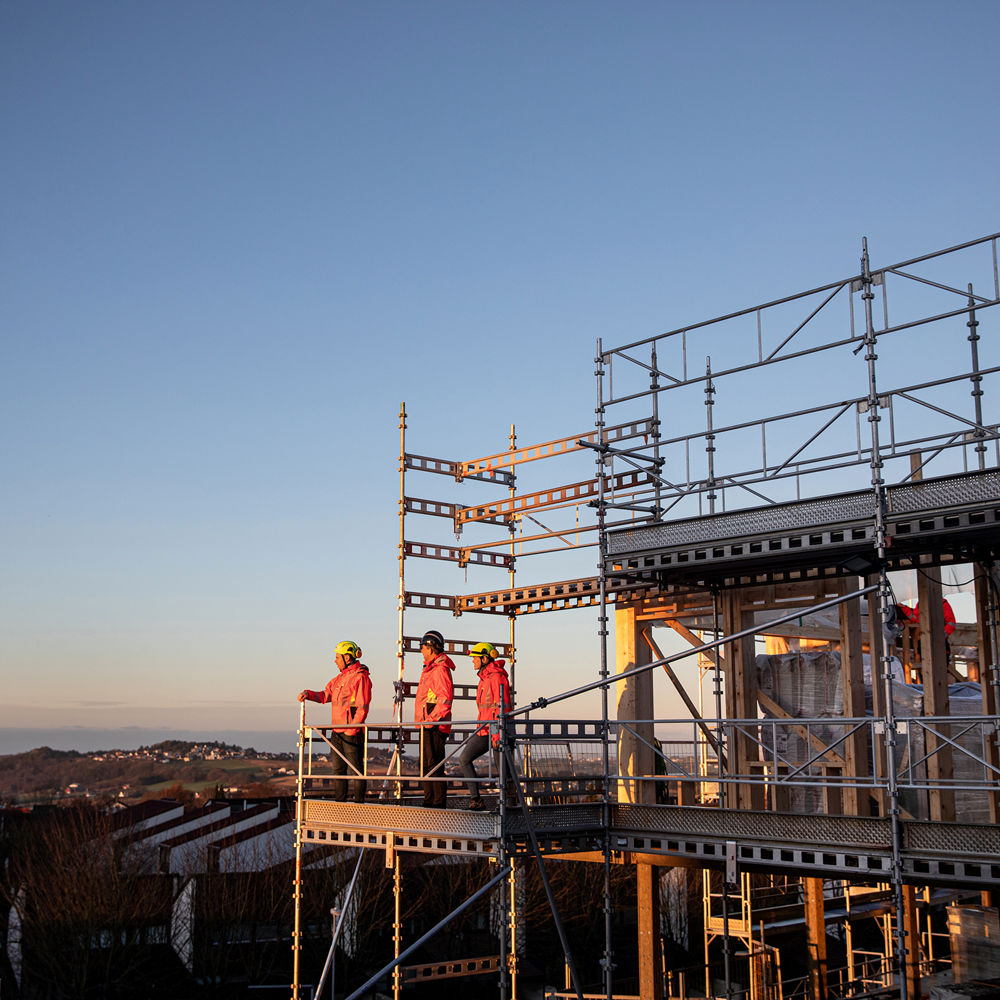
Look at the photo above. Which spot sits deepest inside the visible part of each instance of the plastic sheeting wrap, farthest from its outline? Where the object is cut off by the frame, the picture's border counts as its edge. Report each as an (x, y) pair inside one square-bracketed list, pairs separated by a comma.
[(807, 685), (975, 942), (972, 806), (964, 699), (907, 703)]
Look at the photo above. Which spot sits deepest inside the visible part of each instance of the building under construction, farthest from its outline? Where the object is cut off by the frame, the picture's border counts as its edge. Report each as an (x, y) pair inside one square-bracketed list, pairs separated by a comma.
[(768, 715)]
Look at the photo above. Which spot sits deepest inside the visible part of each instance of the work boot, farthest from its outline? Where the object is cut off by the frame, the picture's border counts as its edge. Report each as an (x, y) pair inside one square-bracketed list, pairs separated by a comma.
[(476, 804)]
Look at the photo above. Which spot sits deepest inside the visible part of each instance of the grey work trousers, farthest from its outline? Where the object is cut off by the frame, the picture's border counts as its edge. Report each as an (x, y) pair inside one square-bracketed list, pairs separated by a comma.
[(473, 749)]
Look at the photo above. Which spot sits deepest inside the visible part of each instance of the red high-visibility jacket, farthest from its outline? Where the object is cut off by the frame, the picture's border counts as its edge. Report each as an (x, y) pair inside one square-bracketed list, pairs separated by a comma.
[(492, 695), (349, 695), (435, 692), (913, 614)]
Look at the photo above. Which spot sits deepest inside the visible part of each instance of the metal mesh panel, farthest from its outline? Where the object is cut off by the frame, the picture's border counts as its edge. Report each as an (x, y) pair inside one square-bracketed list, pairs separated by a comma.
[(564, 760), (557, 819), (981, 487), (755, 826), (400, 819), (909, 498), (947, 838), (738, 524)]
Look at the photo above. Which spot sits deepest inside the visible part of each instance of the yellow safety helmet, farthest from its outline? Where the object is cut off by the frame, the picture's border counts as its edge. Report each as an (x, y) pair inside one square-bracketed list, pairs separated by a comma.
[(484, 649), (348, 648)]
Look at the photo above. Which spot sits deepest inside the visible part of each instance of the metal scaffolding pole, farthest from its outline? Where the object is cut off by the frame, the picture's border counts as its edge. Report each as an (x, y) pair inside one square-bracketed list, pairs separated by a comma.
[(397, 703), (512, 618), (884, 595), (297, 885), (393, 966), (607, 961), (536, 850), (977, 381)]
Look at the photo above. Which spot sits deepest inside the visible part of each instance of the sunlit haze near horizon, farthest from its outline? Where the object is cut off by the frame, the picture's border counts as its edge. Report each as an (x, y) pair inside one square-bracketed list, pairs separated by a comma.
[(234, 237)]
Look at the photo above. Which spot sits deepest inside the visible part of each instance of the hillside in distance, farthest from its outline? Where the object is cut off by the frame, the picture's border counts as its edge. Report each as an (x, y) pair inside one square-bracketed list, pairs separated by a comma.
[(47, 775)]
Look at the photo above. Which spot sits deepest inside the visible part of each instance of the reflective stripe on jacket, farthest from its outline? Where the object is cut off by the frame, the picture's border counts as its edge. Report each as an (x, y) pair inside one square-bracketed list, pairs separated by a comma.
[(435, 692), (492, 695)]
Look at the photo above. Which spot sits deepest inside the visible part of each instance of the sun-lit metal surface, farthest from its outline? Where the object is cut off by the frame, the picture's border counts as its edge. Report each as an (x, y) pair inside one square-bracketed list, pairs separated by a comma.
[(413, 974), (444, 467), (454, 647), (817, 845), (433, 602), (490, 465), (498, 510), (449, 553), (582, 593), (403, 828)]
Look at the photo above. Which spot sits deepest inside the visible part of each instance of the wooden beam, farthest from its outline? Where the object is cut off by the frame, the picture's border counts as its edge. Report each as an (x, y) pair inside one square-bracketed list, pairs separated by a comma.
[(648, 913), (934, 673), (856, 801), (634, 702), (815, 938), (770, 705), (691, 707)]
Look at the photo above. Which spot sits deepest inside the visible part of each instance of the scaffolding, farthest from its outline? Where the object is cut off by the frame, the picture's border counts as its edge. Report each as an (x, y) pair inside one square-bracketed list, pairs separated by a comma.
[(756, 514)]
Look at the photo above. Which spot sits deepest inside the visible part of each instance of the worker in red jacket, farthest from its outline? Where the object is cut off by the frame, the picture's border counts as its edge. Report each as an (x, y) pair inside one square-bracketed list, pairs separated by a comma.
[(349, 695), (492, 700), (433, 715)]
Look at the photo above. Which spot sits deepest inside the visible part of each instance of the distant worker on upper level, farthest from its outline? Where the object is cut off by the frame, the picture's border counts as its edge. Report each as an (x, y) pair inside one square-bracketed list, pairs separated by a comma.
[(492, 700), (433, 714), (349, 695)]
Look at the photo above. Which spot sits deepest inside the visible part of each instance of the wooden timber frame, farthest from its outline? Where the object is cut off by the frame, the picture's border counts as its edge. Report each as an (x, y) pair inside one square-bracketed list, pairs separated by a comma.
[(680, 549)]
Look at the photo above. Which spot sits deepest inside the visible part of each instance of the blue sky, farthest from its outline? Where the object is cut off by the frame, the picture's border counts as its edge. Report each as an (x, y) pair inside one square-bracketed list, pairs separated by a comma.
[(234, 236)]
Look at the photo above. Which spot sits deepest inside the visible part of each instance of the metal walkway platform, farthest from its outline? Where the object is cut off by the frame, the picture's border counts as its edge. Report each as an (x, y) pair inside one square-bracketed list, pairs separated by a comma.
[(950, 517), (856, 848)]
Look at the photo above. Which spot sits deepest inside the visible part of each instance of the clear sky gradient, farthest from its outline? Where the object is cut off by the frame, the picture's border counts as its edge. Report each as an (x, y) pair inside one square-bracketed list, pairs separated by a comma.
[(234, 236)]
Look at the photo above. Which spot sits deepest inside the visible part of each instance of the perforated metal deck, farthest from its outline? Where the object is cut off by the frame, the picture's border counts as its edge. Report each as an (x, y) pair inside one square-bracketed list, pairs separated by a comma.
[(404, 828), (847, 847), (936, 515)]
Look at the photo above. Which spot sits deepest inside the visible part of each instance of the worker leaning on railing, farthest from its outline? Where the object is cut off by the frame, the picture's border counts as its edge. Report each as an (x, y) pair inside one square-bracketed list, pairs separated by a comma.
[(433, 714), (349, 695), (492, 700)]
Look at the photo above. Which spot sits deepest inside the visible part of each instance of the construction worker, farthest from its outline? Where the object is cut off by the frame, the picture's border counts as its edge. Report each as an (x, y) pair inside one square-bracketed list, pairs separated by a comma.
[(492, 700), (349, 695), (433, 714)]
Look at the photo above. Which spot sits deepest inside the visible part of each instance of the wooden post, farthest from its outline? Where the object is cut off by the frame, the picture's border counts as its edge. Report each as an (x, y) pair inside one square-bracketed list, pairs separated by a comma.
[(876, 642), (912, 941), (934, 670), (635, 701), (857, 801), (985, 600), (635, 759), (815, 938), (741, 702), (648, 904)]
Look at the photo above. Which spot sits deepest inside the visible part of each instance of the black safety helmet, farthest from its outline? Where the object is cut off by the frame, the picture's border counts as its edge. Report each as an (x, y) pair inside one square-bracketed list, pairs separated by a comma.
[(434, 639)]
